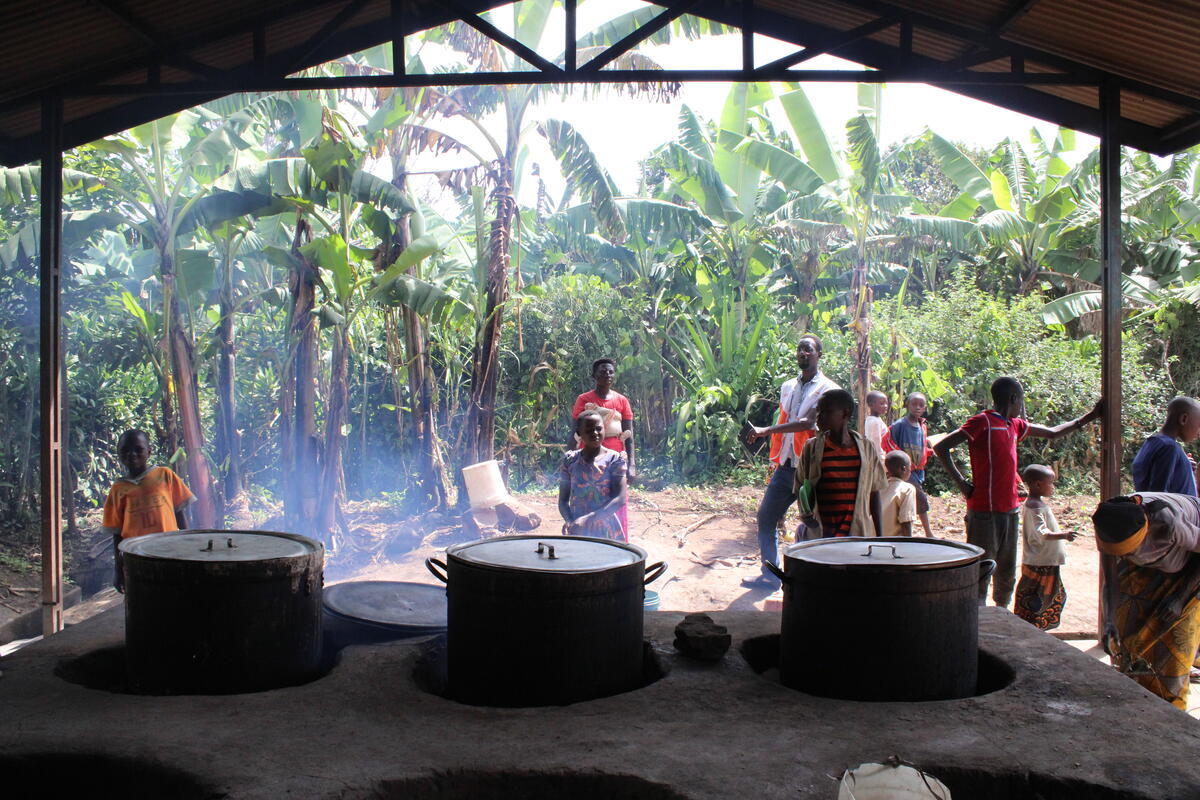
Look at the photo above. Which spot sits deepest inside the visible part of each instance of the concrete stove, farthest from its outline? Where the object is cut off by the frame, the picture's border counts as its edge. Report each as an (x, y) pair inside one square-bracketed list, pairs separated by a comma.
[(1065, 726)]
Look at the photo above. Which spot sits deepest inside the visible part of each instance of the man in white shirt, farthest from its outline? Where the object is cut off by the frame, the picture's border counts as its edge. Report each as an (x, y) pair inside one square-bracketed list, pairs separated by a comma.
[(797, 419)]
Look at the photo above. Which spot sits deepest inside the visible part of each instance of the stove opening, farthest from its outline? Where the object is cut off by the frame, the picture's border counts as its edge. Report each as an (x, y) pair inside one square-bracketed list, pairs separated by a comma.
[(762, 654), (472, 785)]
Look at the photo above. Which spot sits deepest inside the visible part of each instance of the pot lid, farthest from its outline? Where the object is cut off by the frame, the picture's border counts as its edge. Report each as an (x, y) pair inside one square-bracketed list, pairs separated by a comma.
[(393, 604), (549, 553), (887, 552), (220, 546)]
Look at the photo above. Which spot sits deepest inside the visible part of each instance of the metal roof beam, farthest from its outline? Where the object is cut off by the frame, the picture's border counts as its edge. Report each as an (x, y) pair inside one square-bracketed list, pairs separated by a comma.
[(318, 39), (1014, 14), (1017, 98), (673, 12), (164, 49), (920, 74), (981, 38), (500, 37), (832, 43)]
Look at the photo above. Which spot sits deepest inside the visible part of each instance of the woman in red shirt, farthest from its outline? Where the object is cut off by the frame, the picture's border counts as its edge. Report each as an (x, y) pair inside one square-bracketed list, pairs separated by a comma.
[(617, 414)]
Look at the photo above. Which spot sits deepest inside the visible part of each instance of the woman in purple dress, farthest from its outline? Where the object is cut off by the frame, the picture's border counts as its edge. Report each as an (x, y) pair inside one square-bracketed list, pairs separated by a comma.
[(591, 484)]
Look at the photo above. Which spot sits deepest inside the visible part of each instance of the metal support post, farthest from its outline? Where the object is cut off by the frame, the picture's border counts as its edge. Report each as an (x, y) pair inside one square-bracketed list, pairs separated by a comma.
[(1110, 309), (50, 422), (1110, 286)]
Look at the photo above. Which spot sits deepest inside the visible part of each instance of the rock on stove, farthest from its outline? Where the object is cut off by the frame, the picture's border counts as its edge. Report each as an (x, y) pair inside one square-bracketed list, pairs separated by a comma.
[(700, 638)]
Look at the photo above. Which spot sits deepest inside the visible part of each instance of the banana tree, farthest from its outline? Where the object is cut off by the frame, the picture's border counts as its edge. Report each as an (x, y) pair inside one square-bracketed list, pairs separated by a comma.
[(343, 242), (839, 202), (479, 106), (1160, 254), (1025, 207)]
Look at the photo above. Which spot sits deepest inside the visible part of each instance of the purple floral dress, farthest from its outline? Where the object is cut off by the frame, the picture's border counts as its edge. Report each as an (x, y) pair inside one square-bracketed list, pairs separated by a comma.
[(591, 489)]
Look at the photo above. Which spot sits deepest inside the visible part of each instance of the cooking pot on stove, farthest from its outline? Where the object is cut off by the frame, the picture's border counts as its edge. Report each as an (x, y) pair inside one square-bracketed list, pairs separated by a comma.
[(213, 612), (889, 618), (543, 620)]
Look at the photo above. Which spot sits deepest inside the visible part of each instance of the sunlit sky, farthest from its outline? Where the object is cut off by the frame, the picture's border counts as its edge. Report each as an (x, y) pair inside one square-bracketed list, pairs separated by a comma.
[(622, 131)]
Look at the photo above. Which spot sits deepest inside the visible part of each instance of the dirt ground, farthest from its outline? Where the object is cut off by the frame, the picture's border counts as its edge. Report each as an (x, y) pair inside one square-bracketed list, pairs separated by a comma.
[(706, 536)]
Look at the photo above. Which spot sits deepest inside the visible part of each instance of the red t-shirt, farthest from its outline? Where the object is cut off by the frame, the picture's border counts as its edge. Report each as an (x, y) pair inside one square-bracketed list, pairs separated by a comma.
[(617, 402), (992, 442)]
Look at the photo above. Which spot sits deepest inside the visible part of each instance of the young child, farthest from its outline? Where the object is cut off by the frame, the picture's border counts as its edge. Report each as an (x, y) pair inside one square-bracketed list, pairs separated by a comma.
[(1040, 592), (899, 498), (1162, 465), (910, 435), (874, 427), (992, 503), (845, 471), (592, 484), (146, 500)]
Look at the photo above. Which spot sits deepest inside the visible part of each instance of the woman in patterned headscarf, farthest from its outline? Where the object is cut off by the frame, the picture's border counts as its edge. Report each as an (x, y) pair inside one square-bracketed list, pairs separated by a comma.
[(1150, 554)]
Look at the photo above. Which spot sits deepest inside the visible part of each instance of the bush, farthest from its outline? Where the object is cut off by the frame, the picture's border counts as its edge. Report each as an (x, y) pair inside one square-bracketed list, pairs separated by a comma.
[(970, 338)]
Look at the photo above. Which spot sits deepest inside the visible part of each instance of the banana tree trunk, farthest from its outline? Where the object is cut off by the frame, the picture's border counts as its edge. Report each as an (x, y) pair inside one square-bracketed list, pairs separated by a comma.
[(860, 291), (228, 440), (68, 477), (481, 416), (183, 372), (330, 499), (301, 468)]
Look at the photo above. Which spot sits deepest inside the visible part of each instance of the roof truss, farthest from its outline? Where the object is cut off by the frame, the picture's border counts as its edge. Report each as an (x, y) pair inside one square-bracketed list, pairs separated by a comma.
[(270, 63)]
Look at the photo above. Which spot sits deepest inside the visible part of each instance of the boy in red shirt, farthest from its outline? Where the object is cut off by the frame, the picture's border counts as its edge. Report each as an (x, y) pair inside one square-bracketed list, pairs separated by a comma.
[(146, 500), (993, 508)]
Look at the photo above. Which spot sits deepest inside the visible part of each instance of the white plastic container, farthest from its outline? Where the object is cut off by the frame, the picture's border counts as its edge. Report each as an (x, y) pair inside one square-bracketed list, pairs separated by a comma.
[(890, 782), (485, 487)]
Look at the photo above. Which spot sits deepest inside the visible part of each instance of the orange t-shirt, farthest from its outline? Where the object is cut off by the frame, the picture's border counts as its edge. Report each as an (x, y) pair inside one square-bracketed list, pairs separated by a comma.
[(146, 504)]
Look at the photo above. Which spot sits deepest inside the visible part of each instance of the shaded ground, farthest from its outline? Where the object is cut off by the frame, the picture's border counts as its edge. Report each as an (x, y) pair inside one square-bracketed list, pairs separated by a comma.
[(706, 536)]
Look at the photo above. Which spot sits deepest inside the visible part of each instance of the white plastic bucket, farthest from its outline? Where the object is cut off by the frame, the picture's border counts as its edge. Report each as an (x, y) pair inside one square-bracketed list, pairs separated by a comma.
[(485, 487), (890, 782)]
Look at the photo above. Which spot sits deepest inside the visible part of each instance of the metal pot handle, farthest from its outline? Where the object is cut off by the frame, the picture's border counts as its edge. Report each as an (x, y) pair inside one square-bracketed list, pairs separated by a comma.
[(776, 570), (986, 567), (654, 572), (430, 565)]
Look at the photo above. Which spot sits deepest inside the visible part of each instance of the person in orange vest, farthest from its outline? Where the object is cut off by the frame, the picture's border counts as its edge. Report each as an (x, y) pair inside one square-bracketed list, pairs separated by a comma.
[(797, 418)]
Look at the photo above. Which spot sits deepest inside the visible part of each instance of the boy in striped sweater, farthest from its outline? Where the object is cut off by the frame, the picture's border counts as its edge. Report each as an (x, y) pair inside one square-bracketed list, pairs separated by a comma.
[(845, 472)]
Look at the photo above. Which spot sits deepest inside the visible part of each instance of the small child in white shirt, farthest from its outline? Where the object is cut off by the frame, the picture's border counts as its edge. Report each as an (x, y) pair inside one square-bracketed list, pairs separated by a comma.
[(899, 498), (873, 426), (1040, 591)]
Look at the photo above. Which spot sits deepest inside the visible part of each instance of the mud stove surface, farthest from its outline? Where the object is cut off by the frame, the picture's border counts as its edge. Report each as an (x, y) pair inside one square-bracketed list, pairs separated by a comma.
[(1064, 726)]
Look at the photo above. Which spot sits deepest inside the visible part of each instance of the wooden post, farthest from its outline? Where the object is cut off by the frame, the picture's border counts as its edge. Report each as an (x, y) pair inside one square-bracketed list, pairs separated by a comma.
[(50, 197), (1110, 291), (1110, 306)]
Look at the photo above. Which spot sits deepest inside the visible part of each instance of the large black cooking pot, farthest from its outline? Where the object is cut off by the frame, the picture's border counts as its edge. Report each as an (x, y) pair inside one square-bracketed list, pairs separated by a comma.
[(891, 618), (543, 620), (213, 612)]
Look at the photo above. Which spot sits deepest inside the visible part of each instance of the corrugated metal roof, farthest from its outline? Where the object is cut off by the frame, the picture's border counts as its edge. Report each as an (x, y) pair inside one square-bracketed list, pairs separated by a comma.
[(70, 47)]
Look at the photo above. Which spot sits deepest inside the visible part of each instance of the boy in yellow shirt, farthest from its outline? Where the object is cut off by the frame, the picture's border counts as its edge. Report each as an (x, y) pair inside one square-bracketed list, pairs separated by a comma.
[(146, 500)]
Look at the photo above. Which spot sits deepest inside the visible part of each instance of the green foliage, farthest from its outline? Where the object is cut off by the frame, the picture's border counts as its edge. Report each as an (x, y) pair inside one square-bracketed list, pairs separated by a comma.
[(970, 338)]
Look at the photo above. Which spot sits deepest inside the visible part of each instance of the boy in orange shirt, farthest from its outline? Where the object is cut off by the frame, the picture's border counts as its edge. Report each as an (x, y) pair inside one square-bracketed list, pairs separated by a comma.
[(146, 500)]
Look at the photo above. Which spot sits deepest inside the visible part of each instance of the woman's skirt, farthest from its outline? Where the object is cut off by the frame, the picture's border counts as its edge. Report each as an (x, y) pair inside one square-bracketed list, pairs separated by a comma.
[(1040, 596)]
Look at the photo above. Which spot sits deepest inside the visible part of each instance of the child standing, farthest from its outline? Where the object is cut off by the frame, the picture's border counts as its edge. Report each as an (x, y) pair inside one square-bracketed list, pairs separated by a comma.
[(899, 499), (1162, 465), (146, 500), (592, 484), (1040, 592), (845, 471), (910, 435), (874, 427), (992, 503)]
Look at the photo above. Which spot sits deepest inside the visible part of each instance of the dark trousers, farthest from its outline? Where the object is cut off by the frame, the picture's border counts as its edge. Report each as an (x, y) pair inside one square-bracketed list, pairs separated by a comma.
[(996, 532), (778, 498)]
